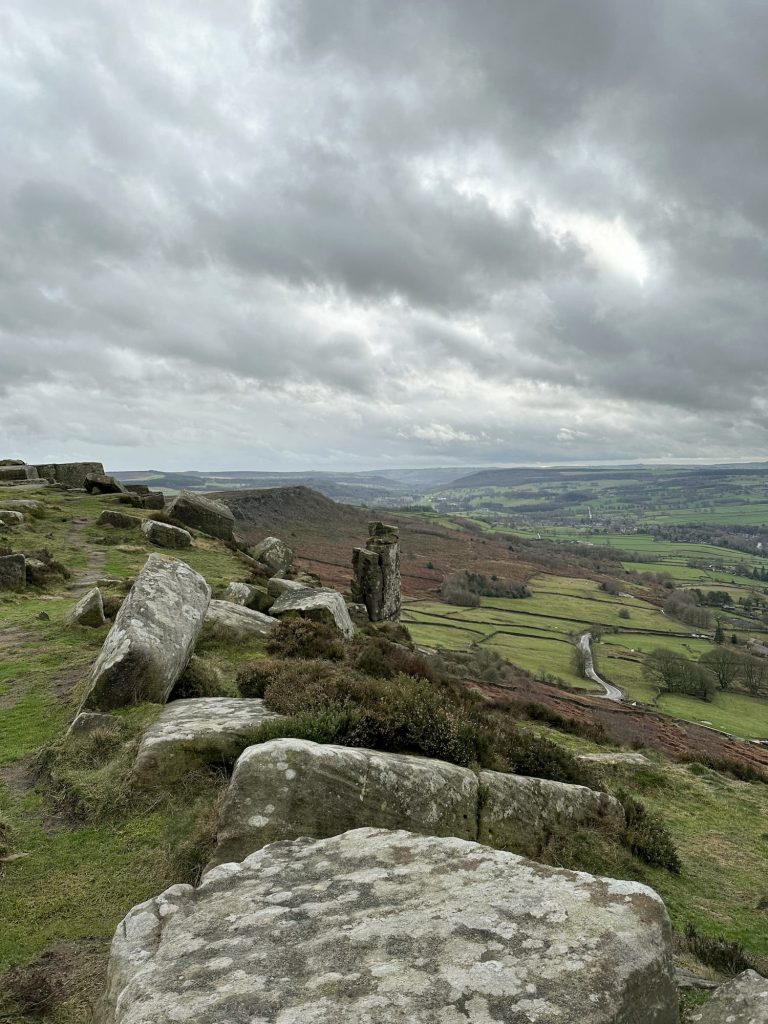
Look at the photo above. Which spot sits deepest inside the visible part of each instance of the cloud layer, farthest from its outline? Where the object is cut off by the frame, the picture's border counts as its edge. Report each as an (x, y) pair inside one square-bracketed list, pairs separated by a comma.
[(310, 233)]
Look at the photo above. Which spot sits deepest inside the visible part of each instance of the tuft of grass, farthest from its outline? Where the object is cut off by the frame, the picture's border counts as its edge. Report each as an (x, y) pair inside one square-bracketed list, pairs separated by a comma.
[(647, 836)]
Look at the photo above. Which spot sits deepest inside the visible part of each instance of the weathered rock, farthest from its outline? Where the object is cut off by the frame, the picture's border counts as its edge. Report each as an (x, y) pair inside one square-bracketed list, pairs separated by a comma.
[(94, 721), (289, 788), (89, 610), (321, 605), (202, 513), (70, 474), (273, 553), (195, 732), (154, 500), (166, 536), (626, 757), (249, 596), (136, 488), (13, 572), (27, 506), (12, 474), (10, 518), (521, 813), (102, 484), (685, 980), (278, 586), (233, 622), (152, 638), (377, 927), (743, 1000), (358, 613), (376, 568), (120, 520), (37, 572)]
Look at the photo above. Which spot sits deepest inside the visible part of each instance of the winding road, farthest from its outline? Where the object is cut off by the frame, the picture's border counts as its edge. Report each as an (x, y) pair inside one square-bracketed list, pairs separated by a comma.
[(611, 692)]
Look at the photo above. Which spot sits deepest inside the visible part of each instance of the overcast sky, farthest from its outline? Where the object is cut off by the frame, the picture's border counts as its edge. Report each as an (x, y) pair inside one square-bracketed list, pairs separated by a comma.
[(283, 234)]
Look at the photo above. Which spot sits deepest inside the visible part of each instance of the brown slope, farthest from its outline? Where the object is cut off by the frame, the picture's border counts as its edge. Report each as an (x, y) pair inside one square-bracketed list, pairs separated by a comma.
[(323, 533)]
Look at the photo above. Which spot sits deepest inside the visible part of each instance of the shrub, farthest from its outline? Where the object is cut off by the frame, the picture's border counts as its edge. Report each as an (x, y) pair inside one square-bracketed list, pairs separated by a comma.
[(254, 676), (594, 731), (394, 631), (717, 952), (624, 613), (379, 657), (528, 754), (647, 837), (303, 638), (199, 679)]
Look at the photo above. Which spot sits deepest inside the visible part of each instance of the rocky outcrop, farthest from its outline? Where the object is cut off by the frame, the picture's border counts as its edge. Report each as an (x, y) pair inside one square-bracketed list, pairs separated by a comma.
[(273, 553), (195, 732), (249, 596), (376, 568), (99, 483), (18, 473), (165, 535), (152, 638), (234, 622), (203, 514), (10, 518), (119, 520), (620, 758), (13, 572), (89, 610), (288, 788), (321, 605), (520, 813), (377, 927), (70, 474), (743, 1000)]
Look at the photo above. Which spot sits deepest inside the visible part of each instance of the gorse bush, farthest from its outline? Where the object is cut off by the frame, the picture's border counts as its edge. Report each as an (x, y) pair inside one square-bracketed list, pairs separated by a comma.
[(303, 638), (647, 837)]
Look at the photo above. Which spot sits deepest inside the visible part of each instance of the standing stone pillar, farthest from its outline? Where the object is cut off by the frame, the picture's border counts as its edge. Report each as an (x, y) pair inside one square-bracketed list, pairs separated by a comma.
[(376, 567)]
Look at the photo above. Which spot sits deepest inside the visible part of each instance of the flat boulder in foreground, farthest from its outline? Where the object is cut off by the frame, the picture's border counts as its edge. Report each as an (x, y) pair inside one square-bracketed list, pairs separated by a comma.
[(196, 732), (378, 927), (152, 638)]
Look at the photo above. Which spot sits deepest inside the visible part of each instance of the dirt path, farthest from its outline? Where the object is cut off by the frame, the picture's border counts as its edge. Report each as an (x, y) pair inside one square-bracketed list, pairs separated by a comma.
[(85, 578)]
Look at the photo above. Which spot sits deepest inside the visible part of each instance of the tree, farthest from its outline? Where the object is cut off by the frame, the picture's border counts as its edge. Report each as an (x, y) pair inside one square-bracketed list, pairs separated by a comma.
[(719, 637), (579, 661), (677, 674), (753, 674), (724, 665)]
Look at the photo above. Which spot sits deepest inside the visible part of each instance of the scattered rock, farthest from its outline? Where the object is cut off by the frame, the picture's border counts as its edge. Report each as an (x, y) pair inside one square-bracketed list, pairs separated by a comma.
[(233, 622), (377, 927), (152, 638), (43, 616), (289, 788), (743, 1000), (618, 758), (278, 586), (358, 613), (273, 553), (24, 505), (202, 513), (91, 721), (521, 813), (102, 484), (322, 605), (10, 518), (164, 535), (376, 568), (684, 979), (120, 520), (70, 474), (154, 500), (89, 610), (249, 596), (13, 575), (136, 488), (195, 732)]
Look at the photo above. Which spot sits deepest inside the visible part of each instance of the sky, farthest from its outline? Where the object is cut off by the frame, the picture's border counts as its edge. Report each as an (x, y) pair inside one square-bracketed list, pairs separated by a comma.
[(347, 234)]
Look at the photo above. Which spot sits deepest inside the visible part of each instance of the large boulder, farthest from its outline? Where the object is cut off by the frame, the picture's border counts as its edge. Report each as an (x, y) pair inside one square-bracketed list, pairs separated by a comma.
[(13, 572), (203, 514), (152, 638), (195, 732), (273, 553), (743, 1000), (99, 483), (376, 573), (10, 518), (70, 474), (234, 622), (89, 610), (322, 605), (249, 596), (153, 500), (377, 927), (16, 474), (165, 535), (278, 586), (119, 520), (288, 788), (520, 813), (27, 506)]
